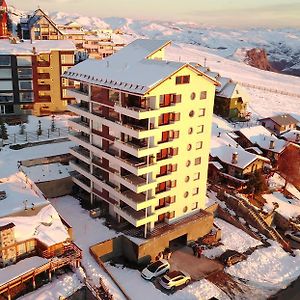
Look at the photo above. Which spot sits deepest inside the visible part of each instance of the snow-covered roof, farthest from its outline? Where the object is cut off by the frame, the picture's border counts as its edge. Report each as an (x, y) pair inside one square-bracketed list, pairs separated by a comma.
[(284, 119), (26, 47), (244, 158), (47, 172), (29, 264), (46, 226), (292, 136), (129, 69), (216, 164), (17, 191), (72, 32), (259, 135), (255, 149), (227, 88)]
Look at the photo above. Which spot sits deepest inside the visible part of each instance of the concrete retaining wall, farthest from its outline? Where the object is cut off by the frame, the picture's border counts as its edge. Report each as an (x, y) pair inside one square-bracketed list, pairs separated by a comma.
[(56, 188)]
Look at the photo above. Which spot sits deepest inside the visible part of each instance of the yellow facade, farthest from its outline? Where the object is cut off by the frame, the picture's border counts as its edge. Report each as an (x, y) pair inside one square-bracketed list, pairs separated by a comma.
[(55, 92)]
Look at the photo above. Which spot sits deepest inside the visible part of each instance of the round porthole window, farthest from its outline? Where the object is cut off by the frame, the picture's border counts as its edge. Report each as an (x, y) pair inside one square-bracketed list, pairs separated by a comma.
[(189, 147), (185, 209), (193, 96), (186, 194), (190, 131), (192, 113), (188, 163), (187, 179)]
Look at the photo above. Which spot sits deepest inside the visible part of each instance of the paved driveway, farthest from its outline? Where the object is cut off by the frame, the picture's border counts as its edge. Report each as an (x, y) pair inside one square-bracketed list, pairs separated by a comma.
[(198, 268)]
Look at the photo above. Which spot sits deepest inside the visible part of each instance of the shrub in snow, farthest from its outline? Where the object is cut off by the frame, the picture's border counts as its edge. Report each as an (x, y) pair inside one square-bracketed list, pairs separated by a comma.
[(3, 130)]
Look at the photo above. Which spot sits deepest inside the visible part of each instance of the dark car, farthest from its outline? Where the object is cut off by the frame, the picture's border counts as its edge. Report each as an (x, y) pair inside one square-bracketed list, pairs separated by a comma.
[(231, 257)]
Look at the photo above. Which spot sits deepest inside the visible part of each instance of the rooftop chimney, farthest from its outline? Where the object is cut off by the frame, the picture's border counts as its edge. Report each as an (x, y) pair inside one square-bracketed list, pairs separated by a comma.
[(234, 158), (272, 144)]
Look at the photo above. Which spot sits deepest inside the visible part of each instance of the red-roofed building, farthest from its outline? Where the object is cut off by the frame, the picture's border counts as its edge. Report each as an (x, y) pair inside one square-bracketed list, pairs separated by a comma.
[(3, 19)]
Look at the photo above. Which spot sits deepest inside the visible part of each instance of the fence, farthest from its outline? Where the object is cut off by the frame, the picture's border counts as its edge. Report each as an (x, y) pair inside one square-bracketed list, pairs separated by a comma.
[(33, 136), (276, 91)]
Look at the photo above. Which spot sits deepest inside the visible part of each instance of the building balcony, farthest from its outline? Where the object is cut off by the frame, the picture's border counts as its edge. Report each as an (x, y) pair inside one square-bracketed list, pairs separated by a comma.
[(44, 64), (81, 168), (78, 93), (105, 197), (139, 132), (79, 125), (107, 185), (43, 76), (103, 135), (136, 149), (136, 201), (79, 110), (80, 139), (136, 218), (135, 183), (102, 100), (81, 181), (80, 153), (136, 112), (44, 87), (98, 163)]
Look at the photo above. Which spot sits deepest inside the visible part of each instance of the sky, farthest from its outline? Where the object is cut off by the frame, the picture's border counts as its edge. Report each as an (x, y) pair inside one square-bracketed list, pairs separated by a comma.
[(228, 13)]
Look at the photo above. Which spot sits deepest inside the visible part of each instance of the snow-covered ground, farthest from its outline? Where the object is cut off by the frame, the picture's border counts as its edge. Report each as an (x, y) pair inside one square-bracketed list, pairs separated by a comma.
[(287, 207), (233, 238), (270, 267), (138, 288), (47, 172), (65, 285)]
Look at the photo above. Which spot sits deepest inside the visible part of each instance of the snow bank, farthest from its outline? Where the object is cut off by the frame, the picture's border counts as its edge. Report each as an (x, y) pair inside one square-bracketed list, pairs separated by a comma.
[(232, 238), (270, 267)]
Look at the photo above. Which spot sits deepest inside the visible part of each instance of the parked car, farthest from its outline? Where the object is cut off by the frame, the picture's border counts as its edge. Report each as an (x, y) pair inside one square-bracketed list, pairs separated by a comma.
[(231, 257), (294, 235), (174, 279), (156, 269)]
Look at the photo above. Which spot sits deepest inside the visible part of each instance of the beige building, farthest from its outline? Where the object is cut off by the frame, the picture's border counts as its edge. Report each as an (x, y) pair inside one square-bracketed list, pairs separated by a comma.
[(142, 134)]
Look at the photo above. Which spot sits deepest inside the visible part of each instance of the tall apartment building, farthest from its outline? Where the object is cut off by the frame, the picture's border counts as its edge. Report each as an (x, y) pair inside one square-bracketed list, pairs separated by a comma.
[(142, 134), (30, 76)]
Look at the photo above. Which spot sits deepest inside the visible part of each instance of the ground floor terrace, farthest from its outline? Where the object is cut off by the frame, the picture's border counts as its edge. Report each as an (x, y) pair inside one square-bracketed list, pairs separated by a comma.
[(32, 272)]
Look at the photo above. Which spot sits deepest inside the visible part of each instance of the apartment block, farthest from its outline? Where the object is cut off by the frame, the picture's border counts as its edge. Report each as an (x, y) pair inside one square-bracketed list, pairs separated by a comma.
[(30, 77), (142, 134)]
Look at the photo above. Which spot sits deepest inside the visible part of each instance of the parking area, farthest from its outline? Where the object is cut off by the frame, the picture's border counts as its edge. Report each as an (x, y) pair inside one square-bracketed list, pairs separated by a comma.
[(198, 268)]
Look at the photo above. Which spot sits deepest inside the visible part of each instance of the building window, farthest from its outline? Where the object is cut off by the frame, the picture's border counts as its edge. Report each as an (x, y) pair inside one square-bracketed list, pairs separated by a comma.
[(173, 168), (5, 60), (197, 176), (171, 215), (203, 95), (192, 113), (185, 209), (176, 134), (178, 98), (201, 112), (67, 59), (189, 147), (26, 96), (5, 73), (25, 85), (197, 161), (186, 194), (24, 61), (174, 151), (183, 79), (6, 85), (193, 96), (190, 131), (173, 184), (172, 199), (195, 191), (199, 145), (188, 163), (25, 73), (187, 179), (200, 128), (194, 205)]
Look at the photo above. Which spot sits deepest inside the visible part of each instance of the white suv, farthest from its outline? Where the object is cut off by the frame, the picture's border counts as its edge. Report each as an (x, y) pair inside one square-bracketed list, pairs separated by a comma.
[(174, 279), (156, 269)]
